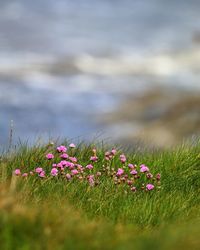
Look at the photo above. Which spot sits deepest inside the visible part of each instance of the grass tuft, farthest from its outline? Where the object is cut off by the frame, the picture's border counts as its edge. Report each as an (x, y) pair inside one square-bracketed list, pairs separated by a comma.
[(54, 213)]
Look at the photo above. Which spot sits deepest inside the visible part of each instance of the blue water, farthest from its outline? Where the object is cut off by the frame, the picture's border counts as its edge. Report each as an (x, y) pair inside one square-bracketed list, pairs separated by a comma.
[(103, 42), (97, 27)]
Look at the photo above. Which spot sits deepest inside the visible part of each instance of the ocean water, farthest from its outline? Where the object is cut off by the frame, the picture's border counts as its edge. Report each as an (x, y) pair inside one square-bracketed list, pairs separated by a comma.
[(64, 63)]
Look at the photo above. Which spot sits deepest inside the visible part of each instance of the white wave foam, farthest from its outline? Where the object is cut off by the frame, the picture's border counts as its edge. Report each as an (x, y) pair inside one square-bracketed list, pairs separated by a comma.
[(157, 65), (178, 69)]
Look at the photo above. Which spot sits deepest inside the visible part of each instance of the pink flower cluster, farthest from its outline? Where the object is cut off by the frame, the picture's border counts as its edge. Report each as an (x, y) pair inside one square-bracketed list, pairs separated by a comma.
[(63, 164), (109, 155)]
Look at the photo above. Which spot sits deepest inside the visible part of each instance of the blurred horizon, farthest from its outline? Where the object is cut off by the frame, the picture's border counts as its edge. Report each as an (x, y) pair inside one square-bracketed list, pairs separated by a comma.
[(80, 68)]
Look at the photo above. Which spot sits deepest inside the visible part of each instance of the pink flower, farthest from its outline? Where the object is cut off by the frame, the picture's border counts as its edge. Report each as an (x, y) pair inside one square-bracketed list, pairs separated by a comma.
[(62, 149), (31, 173), (158, 177), (17, 171), (98, 173), (54, 165), (123, 158), (68, 176), (120, 172), (60, 165), (107, 158), (149, 175), (80, 168), (25, 175), (74, 172), (38, 170), (133, 189), (72, 145), (131, 166), (73, 159), (94, 158), (133, 172), (42, 174), (54, 171), (129, 182), (149, 187), (49, 156), (113, 151), (94, 151), (91, 180), (64, 156), (107, 154), (67, 164), (144, 169), (63, 163), (72, 166), (90, 166)]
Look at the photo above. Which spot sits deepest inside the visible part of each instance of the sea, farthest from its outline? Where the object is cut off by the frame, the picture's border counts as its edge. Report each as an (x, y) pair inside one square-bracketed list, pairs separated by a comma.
[(65, 63)]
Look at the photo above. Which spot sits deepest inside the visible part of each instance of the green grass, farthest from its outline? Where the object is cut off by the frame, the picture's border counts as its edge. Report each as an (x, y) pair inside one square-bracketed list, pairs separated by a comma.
[(52, 213)]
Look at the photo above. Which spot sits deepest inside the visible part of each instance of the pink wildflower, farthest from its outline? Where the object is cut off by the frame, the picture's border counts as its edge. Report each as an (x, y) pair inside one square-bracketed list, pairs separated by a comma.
[(120, 172), (94, 158), (60, 166), (25, 174), (68, 176), (107, 154), (72, 166), (74, 171), (149, 187), (67, 164), (90, 166), (149, 176), (64, 156), (107, 158), (91, 180), (80, 168), (31, 173), (38, 170), (17, 171), (63, 163), (129, 182), (72, 145), (133, 172), (98, 173), (158, 177), (94, 151), (144, 169), (54, 165), (54, 171), (113, 151), (133, 189), (42, 174), (49, 156), (131, 166), (73, 159), (62, 149), (123, 158)]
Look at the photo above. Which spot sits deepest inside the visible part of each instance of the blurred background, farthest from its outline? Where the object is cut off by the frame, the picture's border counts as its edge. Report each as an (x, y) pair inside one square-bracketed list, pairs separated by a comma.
[(126, 71)]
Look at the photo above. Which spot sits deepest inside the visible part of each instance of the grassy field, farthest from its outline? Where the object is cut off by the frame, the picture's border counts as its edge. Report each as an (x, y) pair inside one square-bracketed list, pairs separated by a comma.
[(96, 208)]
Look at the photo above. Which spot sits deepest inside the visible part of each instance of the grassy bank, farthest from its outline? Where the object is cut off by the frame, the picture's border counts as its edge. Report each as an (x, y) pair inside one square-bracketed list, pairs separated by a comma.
[(110, 210)]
